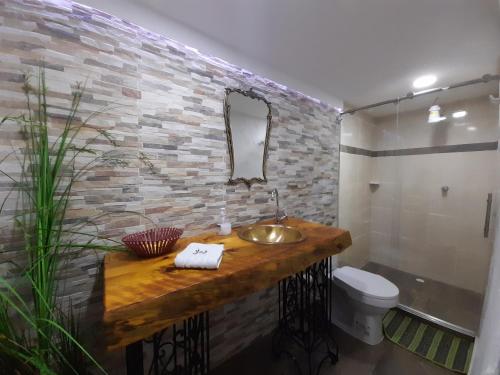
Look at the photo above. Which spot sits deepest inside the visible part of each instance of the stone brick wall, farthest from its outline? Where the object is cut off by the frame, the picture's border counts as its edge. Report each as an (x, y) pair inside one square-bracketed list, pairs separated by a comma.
[(165, 100)]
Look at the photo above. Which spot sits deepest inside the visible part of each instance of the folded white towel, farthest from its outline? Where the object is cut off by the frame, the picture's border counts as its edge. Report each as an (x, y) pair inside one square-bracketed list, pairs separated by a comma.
[(200, 255)]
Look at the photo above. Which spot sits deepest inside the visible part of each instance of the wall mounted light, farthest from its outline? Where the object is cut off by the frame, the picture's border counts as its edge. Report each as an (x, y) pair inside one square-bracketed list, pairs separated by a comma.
[(435, 114)]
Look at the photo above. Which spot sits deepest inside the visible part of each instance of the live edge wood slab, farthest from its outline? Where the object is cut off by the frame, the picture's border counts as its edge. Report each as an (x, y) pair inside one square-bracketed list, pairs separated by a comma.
[(144, 296)]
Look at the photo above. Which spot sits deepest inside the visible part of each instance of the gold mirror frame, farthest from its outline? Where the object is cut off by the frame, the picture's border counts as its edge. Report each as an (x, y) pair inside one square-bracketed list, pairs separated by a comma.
[(227, 113)]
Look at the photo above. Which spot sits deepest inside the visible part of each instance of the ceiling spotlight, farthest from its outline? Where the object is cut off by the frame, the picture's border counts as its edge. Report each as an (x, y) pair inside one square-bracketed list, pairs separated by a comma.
[(459, 114), (424, 81), (435, 114)]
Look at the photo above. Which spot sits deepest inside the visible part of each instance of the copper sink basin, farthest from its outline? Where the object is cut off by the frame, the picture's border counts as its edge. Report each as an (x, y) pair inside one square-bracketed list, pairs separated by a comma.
[(270, 234)]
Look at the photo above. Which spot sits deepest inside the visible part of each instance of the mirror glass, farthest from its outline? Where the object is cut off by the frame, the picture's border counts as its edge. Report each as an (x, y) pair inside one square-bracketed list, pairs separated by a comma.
[(248, 119)]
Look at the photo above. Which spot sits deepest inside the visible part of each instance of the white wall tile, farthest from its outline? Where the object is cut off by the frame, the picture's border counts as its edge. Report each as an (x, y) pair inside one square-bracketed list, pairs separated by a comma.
[(413, 225)]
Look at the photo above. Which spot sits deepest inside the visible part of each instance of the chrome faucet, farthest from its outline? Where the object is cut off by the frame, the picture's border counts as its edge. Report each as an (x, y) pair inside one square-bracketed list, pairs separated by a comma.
[(280, 214)]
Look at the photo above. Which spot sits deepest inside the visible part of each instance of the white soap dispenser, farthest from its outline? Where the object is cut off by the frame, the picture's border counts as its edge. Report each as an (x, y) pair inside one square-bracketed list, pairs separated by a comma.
[(224, 224)]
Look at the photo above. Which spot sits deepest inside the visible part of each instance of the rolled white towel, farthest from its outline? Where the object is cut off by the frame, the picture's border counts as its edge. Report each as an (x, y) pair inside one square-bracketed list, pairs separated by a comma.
[(200, 255)]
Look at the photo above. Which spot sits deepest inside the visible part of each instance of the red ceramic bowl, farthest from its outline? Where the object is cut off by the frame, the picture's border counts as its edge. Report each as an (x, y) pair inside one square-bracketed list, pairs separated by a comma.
[(154, 242)]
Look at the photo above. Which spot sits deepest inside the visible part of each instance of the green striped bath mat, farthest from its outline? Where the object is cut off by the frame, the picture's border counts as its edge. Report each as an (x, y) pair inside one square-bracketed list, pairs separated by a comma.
[(440, 346)]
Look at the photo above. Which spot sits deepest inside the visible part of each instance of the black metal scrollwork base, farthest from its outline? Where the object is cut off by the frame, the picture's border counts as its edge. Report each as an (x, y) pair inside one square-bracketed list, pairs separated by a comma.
[(178, 350), (305, 311)]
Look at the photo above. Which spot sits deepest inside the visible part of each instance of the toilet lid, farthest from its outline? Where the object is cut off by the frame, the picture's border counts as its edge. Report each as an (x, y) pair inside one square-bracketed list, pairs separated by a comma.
[(367, 283)]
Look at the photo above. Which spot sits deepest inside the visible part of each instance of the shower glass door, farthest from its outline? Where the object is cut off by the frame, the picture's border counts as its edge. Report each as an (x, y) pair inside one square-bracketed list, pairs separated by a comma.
[(416, 200), (447, 169)]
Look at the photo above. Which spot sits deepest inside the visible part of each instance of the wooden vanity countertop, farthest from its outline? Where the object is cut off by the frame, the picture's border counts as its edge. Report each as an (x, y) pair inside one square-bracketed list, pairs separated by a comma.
[(144, 296)]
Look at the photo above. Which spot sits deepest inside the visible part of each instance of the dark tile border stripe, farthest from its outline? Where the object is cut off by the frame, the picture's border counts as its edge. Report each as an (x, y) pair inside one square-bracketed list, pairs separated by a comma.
[(357, 151), (466, 147)]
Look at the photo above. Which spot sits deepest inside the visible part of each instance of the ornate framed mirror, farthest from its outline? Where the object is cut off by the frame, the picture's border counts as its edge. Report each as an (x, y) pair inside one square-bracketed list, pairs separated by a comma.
[(248, 124)]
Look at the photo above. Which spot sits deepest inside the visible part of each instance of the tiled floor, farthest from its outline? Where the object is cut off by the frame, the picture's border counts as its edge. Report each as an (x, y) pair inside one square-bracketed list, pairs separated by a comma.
[(449, 303), (446, 302), (356, 358)]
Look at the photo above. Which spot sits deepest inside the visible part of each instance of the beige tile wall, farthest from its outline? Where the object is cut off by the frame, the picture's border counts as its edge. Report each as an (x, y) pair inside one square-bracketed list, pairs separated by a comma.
[(440, 236), (407, 222), (354, 190), (413, 130), (417, 228)]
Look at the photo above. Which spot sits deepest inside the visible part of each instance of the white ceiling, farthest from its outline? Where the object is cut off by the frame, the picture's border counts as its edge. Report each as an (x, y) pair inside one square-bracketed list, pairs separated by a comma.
[(362, 51)]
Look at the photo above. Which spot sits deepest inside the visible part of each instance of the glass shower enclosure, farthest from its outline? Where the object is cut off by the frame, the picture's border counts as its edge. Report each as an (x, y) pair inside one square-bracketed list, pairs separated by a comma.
[(416, 191)]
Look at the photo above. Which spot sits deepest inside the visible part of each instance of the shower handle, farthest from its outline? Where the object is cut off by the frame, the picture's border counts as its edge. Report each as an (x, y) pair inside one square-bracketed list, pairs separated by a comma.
[(489, 201)]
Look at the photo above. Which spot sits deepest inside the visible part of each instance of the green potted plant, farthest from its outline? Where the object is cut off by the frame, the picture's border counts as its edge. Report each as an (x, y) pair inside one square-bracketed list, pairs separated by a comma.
[(37, 335)]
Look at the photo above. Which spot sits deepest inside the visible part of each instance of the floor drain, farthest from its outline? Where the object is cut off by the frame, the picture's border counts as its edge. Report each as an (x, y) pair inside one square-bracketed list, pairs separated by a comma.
[(420, 280)]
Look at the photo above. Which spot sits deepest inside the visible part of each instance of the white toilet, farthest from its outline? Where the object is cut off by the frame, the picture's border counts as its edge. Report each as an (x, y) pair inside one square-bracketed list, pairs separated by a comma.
[(360, 301)]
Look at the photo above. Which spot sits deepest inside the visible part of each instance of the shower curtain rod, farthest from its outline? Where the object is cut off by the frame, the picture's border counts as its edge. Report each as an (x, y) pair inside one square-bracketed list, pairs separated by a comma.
[(484, 79)]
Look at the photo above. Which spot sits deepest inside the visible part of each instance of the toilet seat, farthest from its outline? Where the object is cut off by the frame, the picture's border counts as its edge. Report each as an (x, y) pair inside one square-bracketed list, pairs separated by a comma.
[(366, 286)]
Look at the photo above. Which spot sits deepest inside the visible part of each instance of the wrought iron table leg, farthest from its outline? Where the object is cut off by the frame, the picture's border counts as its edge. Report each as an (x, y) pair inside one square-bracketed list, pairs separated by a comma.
[(182, 349), (304, 318), (134, 358)]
